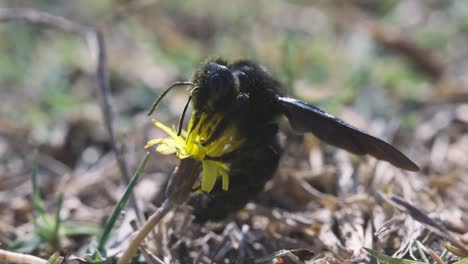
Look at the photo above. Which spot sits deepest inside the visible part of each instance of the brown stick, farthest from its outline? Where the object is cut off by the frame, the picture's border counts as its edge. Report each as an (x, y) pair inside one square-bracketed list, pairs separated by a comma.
[(177, 192), (8, 256), (42, 19), (141, 234), (104, 90)]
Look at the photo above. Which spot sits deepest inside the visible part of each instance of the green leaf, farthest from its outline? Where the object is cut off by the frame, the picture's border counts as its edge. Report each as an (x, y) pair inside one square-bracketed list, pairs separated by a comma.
[(463, 261), (55, 259), (390, 260), (58, 209), (26, 244), (38, 204), (45, 232), (80, 229), (56, 231), (47, 228), (121, 204), (95, 257)]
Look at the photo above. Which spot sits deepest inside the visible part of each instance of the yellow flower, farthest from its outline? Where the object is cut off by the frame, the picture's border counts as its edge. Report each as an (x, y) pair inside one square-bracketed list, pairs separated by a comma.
[(190, 144)]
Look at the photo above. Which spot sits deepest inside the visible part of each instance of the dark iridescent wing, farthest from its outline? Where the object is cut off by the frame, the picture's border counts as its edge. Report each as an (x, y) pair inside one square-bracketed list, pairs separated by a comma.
[(307, 118)]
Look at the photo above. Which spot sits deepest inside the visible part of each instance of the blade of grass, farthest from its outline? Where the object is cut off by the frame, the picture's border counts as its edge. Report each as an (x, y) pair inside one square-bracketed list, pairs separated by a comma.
[(420, 248), (390, 260), (444, 254), (121, 204), (57, 222), (38, 204), (43, 223)]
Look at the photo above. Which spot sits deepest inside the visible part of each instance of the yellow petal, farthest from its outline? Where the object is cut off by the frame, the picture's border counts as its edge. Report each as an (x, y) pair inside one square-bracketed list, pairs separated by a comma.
[(198, 151), (182, 154), (201, 128), (172, 143), (166, 150), (153, 142), (209, 176), (168, 130), (220, 165), (166, 146), (224, 179), (221, 170)]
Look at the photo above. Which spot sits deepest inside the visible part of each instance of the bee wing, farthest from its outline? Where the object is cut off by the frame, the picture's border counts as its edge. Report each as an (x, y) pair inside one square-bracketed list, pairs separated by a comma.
[(307, 118)]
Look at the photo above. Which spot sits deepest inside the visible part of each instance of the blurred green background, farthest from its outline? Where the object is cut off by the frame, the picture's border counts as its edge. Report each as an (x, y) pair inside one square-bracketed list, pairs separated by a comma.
[(324, 51)]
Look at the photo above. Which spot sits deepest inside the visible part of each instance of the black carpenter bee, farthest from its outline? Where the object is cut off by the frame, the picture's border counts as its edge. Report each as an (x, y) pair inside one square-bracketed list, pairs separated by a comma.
[(250, 99)]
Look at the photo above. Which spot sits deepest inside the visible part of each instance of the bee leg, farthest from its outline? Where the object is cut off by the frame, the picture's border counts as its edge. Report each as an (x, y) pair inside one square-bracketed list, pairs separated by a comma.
[(237, 109)]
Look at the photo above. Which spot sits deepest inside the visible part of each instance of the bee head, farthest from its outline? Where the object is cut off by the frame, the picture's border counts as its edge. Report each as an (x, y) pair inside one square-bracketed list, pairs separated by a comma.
[(217, 86)]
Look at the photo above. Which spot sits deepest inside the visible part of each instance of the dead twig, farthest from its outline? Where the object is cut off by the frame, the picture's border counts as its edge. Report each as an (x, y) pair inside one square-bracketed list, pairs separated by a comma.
[(141, 234), (177, 192), (420, 216), (42, 19), (326, 200), (104, 90), (8, 256)]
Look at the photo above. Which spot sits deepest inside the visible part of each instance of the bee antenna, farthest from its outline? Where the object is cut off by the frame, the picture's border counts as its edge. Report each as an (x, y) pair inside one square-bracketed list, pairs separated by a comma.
[(181, 121), (153, 107)]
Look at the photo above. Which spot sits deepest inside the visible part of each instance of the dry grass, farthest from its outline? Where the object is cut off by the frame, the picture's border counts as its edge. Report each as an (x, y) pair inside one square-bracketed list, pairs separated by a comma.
[(323, 205)]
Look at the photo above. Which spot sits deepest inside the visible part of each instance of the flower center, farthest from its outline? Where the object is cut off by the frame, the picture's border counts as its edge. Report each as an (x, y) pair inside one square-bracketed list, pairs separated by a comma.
[(199, 144)]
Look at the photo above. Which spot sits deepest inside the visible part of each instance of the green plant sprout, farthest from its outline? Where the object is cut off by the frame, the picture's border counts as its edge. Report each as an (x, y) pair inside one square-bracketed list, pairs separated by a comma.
[(99, 254), (55, 259), (48, 229)]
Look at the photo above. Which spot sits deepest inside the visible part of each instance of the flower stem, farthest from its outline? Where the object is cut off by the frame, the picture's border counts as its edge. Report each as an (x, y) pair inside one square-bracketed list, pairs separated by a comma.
[(140, 235)]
